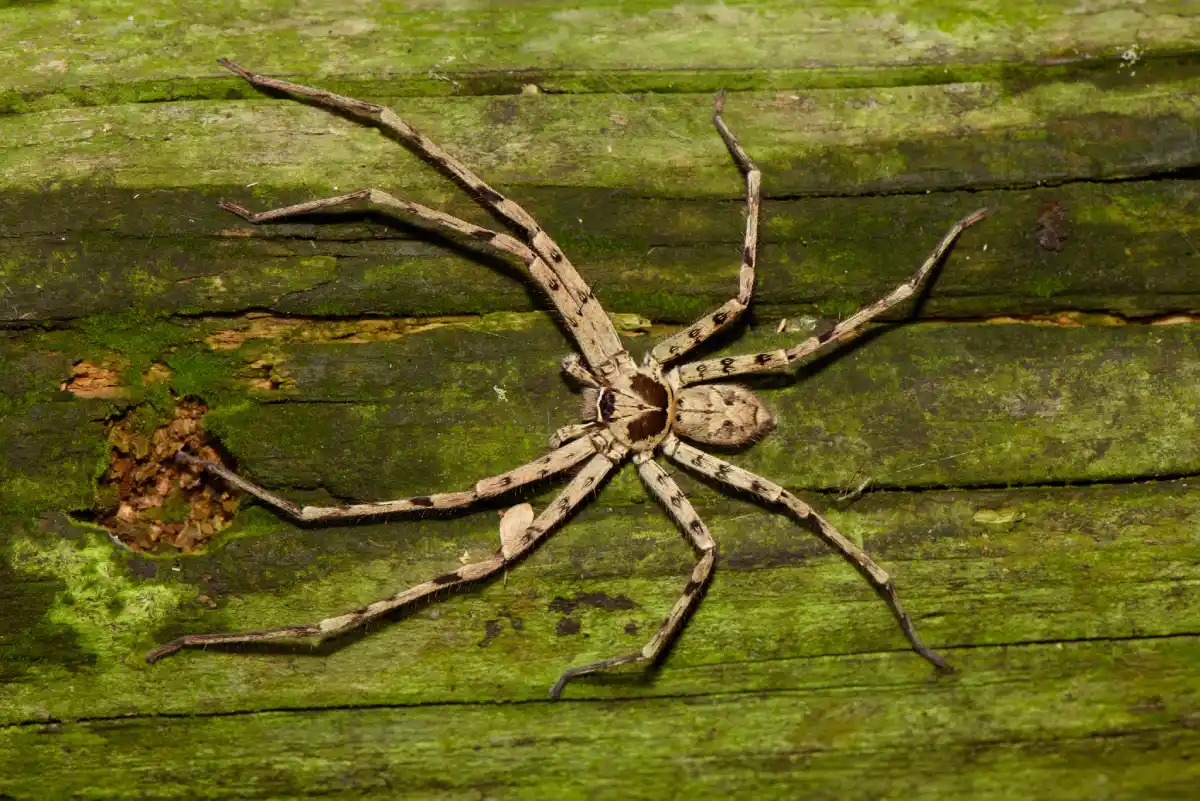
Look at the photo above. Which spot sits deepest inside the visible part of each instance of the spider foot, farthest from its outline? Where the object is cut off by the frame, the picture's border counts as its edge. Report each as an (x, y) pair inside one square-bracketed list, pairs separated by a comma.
[(167, 649), (240, 211), (934, 658), (185, 459), (583, 670), (910, 631)]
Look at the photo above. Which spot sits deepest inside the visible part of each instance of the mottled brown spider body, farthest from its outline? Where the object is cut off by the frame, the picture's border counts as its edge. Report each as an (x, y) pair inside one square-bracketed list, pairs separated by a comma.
[(721, 414), (629, 413), (637, 406), (641, 408)]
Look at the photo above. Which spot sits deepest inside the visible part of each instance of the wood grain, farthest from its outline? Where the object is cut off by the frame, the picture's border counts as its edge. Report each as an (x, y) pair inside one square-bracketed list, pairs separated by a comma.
[(1029, 430)]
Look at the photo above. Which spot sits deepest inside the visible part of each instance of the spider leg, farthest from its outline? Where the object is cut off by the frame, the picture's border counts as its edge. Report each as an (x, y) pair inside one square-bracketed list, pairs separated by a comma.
[(660, 483), (679, 343), (574, 368), (556, 461), (396, 207), (769, 360), (572, 296), (393, 207), (708, 465), (513, 548), (570, 432)]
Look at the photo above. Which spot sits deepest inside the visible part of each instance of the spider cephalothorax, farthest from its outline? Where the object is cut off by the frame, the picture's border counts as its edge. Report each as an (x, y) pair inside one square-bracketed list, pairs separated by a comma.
[(638, 407), (642, 407), (629, 412)]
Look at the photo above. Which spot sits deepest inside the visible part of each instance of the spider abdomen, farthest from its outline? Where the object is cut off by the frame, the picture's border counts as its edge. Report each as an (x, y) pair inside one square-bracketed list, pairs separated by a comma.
[(721, 414)]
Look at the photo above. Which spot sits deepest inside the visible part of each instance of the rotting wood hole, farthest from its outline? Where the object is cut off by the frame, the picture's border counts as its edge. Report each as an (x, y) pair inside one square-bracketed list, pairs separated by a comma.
[(147, 499), (94, 381)]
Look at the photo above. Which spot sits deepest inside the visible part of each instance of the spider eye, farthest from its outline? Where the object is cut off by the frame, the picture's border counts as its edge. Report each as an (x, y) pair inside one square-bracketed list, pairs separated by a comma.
[(605, 405)]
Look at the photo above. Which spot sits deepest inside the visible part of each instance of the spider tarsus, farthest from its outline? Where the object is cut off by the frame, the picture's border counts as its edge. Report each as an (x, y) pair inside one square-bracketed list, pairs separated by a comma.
[(928, 654), (975, 216), (185, 459), (242, 71), (557, 690), (570, 673), (164, 650), (910, 631), (240, 211), (595, 667), (719, 103), (939, 664), (935, 659)]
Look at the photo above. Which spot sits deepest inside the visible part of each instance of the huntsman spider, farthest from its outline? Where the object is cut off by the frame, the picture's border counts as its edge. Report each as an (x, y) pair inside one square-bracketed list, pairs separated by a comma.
[(629, 412)]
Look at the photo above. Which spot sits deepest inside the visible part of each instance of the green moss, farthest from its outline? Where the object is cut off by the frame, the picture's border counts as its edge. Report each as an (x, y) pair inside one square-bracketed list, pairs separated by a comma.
[(100, 601), (22, 497), (819, 735), (53, 470), (680, 258), (667, 307), (1070, 551), (203, 373), (642, 46), (159, 406), (136, 336), (1047, 286)]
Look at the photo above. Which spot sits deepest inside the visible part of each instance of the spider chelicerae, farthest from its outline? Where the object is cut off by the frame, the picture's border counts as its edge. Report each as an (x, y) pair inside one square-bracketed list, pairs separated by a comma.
[(629, 412)]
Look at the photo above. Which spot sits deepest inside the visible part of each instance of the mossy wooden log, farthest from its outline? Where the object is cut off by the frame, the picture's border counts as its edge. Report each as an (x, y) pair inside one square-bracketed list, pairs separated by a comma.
[(1026, 437)]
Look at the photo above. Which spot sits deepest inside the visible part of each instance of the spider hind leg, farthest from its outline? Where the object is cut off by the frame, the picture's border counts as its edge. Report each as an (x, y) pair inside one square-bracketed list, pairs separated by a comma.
[(733, 476), (676, 504)]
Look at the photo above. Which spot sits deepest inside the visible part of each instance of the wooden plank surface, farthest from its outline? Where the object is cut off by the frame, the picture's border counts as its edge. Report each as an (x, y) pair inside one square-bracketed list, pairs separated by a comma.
[(638, 190), (148, 51), (1027, 442)]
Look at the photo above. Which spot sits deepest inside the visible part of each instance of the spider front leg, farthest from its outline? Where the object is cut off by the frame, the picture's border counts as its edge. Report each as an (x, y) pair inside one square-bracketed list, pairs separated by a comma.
[(513, 547), (708, 465), (663, 487), (572, 297), (570, 432), (730, 366), (679, 343), (400, 209)]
